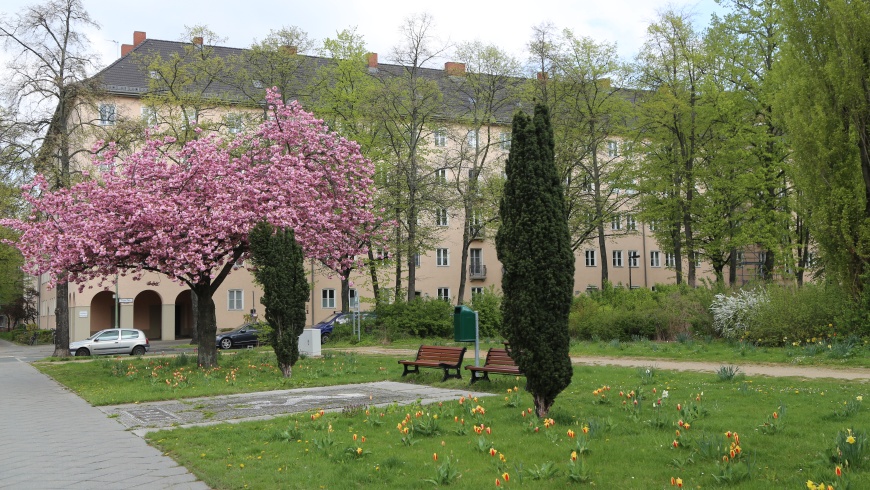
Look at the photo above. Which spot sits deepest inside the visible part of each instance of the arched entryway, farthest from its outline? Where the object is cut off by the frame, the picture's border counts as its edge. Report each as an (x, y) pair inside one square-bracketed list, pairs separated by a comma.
[(102, 311), (147, 314), (183, 315)]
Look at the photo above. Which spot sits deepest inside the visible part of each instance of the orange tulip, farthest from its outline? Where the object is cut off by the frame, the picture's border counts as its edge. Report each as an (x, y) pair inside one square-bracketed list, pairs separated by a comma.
[(506, 477), (435, 456), (839, 471), (497, 482)]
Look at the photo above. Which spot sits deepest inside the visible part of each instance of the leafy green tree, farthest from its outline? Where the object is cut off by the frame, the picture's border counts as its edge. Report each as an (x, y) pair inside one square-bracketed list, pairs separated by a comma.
[(823, 97), (534, 246), (743, 47), (342, 93), (278, 267), (674, 129), (591, 141)]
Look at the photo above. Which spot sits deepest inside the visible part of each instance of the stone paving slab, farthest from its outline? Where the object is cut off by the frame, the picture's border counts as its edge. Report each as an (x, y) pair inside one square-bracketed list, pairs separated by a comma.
[(145, 417), (52, 439)]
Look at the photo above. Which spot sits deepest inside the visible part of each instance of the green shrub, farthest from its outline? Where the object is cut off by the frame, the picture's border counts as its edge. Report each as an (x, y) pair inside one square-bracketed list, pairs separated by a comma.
[(418, 318), (488, 307), (799, 314)]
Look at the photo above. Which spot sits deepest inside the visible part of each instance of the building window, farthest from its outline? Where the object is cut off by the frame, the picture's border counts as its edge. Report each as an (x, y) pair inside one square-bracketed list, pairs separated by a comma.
[(107, 114), (654, 260), (149, 115), (697, 258), (670, 259), (504, 141), (444, 294), (631, 223), (441, 176), (612, 149), (590, 258), (652, 226), (472, 139), (353, 299), (235, 300), (441, 217), (442, 257), (615, 222), (234, 123), (633, 258), (191, 116), (416, 260), (327, 299), (617, 258), (441, 137), (475, 291)]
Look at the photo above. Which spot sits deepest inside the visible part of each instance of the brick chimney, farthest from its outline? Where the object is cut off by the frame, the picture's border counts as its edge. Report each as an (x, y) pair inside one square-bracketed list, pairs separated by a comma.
[(373, 61), (292, 50), (138, 38), (197, 41), (454, 69), (542, 76)]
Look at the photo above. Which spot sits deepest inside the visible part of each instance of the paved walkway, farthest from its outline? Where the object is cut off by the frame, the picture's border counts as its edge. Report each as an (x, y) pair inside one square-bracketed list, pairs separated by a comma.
[(52, 439)]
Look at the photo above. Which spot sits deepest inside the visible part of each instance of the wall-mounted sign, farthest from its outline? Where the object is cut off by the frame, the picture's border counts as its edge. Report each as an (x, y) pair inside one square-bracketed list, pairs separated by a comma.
[(83, 314), (125, 301)]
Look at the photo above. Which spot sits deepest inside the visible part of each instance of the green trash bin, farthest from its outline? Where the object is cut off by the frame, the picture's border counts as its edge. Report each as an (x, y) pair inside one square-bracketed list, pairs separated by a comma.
[(464, 324)]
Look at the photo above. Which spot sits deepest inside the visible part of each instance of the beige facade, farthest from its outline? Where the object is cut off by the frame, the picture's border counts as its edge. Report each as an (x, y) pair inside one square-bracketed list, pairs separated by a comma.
[(162, 307)]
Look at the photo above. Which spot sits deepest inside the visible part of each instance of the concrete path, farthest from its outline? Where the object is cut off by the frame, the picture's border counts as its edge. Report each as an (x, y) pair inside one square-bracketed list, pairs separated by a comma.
[(146, 417), (52, 439)]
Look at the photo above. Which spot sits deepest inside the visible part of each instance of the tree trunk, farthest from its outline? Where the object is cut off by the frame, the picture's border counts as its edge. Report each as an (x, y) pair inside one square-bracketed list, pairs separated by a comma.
[(61, 315), (732, 268), (542, 405), (207, 323), (373, 272), (194, 328)]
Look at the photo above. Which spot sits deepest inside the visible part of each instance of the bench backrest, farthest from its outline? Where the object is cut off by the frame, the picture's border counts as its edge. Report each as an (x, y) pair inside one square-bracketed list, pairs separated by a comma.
[(437, 353), (498, 357)]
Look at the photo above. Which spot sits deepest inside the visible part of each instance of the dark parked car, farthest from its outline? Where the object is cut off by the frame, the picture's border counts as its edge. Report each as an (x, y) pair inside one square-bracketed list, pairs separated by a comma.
[(327, 326), (240, 337), (112, 341)]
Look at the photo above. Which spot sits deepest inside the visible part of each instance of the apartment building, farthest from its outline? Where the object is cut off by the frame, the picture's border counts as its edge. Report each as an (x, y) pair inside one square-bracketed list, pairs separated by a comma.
[(163, 308)]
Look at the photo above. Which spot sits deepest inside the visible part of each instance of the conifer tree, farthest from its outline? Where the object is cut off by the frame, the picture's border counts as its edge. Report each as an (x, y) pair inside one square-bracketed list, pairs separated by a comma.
[(278, 259), (534, 246)]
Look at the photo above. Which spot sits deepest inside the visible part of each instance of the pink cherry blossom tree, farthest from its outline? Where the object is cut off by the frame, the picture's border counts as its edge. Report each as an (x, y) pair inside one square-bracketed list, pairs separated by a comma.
[(186, 212)]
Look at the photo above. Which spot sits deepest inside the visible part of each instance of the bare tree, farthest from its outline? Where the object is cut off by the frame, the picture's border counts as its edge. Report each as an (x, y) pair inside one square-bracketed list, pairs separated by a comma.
[(409, 104), (48, 88)]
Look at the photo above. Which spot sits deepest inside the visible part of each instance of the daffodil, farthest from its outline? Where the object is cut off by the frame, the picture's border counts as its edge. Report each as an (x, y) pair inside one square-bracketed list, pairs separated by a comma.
[(850, 439)]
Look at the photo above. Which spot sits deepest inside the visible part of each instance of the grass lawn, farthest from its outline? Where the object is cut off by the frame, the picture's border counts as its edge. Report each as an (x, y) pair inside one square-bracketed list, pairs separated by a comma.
[(112, 381), (628, 445), (846, 353)]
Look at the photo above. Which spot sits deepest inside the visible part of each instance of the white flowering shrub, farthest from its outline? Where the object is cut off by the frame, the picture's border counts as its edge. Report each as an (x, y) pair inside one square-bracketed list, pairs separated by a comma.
[(733, 315)]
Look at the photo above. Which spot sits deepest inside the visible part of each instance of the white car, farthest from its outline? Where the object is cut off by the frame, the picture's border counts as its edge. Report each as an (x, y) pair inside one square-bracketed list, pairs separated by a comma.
[(112, 341)]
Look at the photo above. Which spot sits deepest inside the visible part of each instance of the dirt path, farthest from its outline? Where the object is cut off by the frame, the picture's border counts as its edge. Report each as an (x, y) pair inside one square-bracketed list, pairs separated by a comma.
[(778, 370)]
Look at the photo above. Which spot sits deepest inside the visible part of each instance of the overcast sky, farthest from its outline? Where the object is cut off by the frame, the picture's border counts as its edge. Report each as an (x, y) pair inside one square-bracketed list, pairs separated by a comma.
[(622, 22)]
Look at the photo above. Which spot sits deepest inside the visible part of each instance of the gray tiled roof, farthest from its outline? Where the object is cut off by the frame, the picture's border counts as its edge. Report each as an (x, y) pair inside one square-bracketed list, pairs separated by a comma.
[(128, 76)]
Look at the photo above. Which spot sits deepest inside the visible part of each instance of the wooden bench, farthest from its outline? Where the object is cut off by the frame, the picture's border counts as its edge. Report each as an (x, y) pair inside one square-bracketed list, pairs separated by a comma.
[(435, 356), (498, 361)]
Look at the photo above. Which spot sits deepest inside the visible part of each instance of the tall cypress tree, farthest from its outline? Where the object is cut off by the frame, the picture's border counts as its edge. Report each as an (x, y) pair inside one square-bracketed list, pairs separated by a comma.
[(278, 267), (534, 246)]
